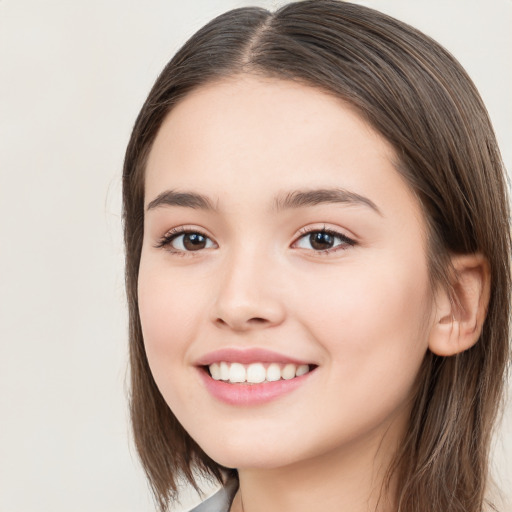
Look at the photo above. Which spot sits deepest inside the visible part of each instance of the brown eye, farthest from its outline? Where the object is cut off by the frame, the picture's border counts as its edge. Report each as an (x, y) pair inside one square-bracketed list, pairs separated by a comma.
[(188, 241), (321, 240), (194, 241), (324, 241)]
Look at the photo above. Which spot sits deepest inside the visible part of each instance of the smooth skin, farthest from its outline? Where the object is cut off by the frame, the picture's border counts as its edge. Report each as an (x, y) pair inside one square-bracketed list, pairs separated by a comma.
[(246, 274)]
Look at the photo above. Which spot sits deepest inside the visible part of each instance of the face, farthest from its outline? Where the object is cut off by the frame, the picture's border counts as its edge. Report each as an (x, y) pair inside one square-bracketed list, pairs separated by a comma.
[(283, 287)]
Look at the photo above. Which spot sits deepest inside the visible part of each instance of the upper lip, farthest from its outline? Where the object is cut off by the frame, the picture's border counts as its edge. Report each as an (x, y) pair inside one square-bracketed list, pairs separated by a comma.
[(246, 356)]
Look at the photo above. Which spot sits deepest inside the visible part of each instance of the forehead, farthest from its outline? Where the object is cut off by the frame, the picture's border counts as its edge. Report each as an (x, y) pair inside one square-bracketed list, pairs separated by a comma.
[(245, 107), (266, 135)]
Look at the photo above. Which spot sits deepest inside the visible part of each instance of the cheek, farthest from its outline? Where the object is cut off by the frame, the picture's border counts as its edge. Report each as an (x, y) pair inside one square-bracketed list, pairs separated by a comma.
[(372, 321), (168, 311)]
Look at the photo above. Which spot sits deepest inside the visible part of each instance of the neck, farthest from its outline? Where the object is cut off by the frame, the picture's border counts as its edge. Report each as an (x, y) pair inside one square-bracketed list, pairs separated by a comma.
[(351, 478)]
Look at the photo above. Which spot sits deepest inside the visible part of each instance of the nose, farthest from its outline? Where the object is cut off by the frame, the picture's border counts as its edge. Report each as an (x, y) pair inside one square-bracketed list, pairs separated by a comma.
[(249, 296)]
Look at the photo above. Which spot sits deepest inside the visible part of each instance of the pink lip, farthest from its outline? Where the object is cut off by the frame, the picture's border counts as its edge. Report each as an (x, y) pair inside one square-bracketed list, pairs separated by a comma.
[(246, 356), (250, 394)]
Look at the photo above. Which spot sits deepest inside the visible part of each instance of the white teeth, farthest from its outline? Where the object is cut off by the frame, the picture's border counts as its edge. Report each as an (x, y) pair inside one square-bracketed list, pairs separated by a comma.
[(237, 373), (256, 373), (288, 372), (302, 370), (273, 372), (215, 371), (224, 371)]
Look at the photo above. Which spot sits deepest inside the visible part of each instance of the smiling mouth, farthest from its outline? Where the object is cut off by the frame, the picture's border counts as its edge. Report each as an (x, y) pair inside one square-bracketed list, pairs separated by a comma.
[(256, 373)]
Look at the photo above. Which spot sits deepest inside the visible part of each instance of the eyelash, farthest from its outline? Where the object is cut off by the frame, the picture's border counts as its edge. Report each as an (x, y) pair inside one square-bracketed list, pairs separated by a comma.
[(346, 241), (166, 241), (170, 236)]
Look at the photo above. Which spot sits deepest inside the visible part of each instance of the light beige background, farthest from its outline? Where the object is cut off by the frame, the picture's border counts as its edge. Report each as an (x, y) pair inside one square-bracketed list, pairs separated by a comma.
[(73, 75)]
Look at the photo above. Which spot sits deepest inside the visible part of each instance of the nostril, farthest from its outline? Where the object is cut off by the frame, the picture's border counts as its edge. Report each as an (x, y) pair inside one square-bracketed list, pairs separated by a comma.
[(257, 320)]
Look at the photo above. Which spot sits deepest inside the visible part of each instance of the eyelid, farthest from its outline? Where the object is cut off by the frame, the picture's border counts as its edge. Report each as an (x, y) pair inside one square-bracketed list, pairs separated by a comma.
[(348, 241), (170, 235), (173, 233)]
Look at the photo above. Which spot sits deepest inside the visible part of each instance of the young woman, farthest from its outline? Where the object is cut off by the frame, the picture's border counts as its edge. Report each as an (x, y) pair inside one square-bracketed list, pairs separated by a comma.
[(318, 267)]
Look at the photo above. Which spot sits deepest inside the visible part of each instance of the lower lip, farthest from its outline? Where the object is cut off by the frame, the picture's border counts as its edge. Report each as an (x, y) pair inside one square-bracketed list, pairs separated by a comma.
[(250, 394)]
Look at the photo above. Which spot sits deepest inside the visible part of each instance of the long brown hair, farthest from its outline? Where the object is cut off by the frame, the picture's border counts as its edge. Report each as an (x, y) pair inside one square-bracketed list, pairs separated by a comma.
[(418, 97)]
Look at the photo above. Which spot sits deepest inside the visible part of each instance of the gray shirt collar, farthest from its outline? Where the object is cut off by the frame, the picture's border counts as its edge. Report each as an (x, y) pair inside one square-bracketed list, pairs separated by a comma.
[(221, 500)]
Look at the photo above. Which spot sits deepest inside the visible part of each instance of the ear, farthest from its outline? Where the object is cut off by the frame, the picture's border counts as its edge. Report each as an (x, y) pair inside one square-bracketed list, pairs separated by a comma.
[(460, 311)]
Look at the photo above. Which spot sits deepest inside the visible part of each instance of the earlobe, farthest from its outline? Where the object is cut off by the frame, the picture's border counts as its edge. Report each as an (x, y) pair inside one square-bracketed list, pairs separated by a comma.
[(460, 312)]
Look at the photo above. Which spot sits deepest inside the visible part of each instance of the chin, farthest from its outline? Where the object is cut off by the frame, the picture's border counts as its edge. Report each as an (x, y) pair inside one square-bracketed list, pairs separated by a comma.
[(250, 454), (231, 459)]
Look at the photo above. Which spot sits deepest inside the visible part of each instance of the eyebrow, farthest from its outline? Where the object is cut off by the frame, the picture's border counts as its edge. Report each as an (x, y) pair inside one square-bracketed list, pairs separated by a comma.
[(185, 199), (291, 200), (301, 198)]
